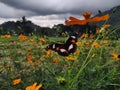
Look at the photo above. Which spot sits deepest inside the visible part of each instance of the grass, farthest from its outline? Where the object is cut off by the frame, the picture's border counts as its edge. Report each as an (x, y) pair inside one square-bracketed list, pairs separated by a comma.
[(92, 67)]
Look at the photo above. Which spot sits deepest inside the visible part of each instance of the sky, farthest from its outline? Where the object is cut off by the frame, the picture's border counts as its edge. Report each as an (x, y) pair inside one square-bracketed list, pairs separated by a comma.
[(51, 12)]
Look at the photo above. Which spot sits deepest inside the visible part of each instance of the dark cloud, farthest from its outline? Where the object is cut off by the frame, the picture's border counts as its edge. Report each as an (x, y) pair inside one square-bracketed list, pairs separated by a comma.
[(52, 11), (46, 7), (10, 12)]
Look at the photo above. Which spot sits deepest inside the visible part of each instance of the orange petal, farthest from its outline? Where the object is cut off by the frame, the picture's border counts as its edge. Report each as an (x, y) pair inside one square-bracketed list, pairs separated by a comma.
[(33, 86), (80, 22), (106, 25), (73, 18), (28, 88), (16, 81), (38, 87), (99, 18), (87, 15)]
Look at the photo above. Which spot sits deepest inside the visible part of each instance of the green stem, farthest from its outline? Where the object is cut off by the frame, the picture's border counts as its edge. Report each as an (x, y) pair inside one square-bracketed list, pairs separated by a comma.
[(85, 63)]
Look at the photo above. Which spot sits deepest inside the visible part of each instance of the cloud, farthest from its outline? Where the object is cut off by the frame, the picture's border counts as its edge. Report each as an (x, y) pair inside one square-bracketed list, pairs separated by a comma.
[(46, 7), (11, 12), (49, 8)]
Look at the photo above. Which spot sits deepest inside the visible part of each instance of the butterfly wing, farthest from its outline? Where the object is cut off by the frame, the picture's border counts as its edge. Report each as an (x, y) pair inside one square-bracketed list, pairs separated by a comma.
[(54, 47), (72, 39), (72, 48)]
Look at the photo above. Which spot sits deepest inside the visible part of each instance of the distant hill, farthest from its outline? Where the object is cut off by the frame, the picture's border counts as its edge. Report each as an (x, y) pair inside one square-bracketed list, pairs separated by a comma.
[(23, 26), (114, 19)]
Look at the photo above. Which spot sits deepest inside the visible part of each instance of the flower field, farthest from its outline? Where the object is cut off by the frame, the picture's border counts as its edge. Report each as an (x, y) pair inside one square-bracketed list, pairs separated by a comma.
[(26, 65)]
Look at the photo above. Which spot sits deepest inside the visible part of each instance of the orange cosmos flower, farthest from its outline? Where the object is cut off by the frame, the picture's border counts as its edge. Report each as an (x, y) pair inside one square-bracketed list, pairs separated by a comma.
[(34, 87), (72, 20), (96, 45), (6, 36), (79, 43), (97, 30), (116, 56), (30, 40), (48, 53), (106, 26), (91, 36), (70, 58), (37, 62), (87, 44), (41, 39), (87, 15), (84, 35), (29, 57), (105, 41), (22, 37), (55, 60), (16, 81)]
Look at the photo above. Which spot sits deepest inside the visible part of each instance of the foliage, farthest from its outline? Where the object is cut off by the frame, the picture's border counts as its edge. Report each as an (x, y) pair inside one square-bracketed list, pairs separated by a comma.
[(26, 65), (24, 62)]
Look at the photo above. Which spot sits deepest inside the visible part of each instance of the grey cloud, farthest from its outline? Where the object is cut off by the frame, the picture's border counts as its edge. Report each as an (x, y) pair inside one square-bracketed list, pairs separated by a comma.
[(46, 7), (11, 12)]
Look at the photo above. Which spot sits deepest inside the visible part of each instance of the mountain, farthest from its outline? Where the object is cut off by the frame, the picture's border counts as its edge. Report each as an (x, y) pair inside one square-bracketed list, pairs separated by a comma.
[(114, 19), (24, 26)]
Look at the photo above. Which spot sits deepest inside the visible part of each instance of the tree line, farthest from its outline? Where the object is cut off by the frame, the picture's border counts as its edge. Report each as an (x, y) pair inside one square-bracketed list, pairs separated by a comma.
[(27, 27)]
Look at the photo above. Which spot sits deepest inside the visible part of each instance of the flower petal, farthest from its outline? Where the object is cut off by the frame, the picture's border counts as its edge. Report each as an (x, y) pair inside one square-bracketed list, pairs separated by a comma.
[(99, 18)]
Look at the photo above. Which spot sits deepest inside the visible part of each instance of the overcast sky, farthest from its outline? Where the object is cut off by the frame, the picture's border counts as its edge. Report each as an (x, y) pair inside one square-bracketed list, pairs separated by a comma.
[(50, 12)]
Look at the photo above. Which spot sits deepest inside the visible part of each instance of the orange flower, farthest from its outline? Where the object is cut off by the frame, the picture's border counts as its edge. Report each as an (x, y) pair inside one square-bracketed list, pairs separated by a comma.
[(116, 56), (70, 58), (22, 37), (91, 36), (97, 30), (87, 44), (55, 60), (48, 53), (87, 15), (33, 87), (106, 26), (28, 48), (105, 42), (79, 43), (73, 20), (30, 40), (84, 35), (16, 81), (29, 57), (37, 62), (96, 45), (41, 39), (6, 36)]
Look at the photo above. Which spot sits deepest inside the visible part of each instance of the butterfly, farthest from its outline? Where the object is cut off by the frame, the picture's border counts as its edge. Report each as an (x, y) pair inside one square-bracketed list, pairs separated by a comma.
[(66, 48)]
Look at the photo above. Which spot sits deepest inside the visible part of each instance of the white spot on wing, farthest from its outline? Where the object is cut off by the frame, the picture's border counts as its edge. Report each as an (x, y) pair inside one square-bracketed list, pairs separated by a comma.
[(73, 37), (63, 50), (70, 47), (53, 46)]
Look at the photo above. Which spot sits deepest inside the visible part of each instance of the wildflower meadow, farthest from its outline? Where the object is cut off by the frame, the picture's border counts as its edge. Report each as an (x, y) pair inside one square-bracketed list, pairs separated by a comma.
[(25, 64)]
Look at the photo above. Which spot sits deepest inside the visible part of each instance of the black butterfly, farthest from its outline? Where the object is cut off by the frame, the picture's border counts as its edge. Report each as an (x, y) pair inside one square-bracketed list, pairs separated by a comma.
[(67, 48)]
